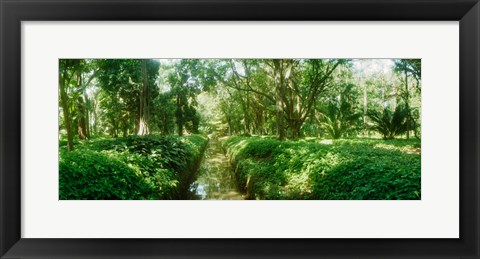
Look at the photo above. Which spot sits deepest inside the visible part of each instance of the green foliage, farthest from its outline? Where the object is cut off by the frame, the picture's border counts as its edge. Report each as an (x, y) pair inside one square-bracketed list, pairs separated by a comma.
[(165, 164), (163, 118), (189, 77), (334, 169), (88, 175), (366, 172), (391, 123), (120, 81), (412, 67), (339, 116)]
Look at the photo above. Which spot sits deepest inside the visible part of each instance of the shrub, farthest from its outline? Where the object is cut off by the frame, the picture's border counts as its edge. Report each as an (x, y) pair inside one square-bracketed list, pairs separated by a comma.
[(391, 123), (339, 169), (86, 175), (165, 163), (371, 174)]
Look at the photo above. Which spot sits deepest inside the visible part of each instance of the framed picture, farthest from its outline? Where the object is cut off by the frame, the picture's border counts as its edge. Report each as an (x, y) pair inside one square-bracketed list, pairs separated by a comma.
[(333, 129)]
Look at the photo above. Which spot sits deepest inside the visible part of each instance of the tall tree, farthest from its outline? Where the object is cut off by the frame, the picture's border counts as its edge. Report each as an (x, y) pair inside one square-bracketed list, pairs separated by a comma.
[(298, 84), (85, 74), (281, 74), (252, 91), (144, 109), (67, 68), (188, 78), (409, 68), (130, 87)]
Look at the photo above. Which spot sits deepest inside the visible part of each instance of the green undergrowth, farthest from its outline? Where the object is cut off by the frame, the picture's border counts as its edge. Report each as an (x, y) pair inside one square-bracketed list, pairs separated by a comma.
[(349, 169), (130, 168)]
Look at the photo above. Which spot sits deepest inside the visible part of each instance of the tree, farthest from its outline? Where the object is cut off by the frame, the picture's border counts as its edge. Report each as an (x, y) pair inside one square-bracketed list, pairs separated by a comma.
[(188, 78), (390, 123), (253, 95), (145, 99), (409, 68), (339, 115), (164, 113), (130, 87), (67, 69), (85, 74), (289, 98), (298, 84)]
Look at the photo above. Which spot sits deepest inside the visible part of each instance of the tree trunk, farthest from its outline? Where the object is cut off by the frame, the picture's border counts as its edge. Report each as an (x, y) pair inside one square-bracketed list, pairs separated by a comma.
[(87, 115), (295, 130), (179, 115), (125, 130), (259, 120), (82, 128), (407, 100), (279, 90), (115, 128), (365, 104), (66, 111), (247, 115), (246, 119), (94, 115), (137, 120), (144, 102)]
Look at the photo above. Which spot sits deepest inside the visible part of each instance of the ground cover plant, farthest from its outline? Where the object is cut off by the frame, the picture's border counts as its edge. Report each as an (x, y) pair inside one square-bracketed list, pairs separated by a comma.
[(356, 169), (134, 167)]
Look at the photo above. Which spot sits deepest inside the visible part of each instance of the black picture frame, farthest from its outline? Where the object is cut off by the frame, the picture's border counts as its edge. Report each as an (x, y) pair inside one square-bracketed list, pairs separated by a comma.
[(13, 12)]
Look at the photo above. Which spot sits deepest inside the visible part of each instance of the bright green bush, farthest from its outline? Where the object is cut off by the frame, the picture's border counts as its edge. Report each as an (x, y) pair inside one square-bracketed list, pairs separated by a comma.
[(87, 175), (334, 169), (165, 163), (370, 174)]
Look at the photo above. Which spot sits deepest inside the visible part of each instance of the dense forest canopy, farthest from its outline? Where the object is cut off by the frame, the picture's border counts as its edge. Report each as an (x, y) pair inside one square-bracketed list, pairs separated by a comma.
[(287, 98)]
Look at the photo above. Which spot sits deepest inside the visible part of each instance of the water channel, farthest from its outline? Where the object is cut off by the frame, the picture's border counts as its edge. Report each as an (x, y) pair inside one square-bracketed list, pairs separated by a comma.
[(215, 178)]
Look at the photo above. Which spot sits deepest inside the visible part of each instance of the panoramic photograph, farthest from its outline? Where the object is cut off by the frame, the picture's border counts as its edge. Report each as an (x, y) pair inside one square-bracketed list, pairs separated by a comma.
[(239, 129)]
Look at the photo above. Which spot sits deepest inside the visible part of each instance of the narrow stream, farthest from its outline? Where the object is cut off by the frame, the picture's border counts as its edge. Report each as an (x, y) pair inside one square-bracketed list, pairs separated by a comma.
[(215, 178)]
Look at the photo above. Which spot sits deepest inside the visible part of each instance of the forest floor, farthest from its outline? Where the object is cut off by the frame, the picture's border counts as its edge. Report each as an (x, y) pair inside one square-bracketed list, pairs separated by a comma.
[(215, 177)]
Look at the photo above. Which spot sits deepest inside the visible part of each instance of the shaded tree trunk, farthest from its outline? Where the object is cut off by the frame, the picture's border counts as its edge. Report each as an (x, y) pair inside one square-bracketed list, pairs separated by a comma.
[(179, 115), (114, 128), (295, 127), (407, 100), (279, 92), (66, 110), (82, 127), (246, 118), (295, 103), (88, 107), (144, 102)]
